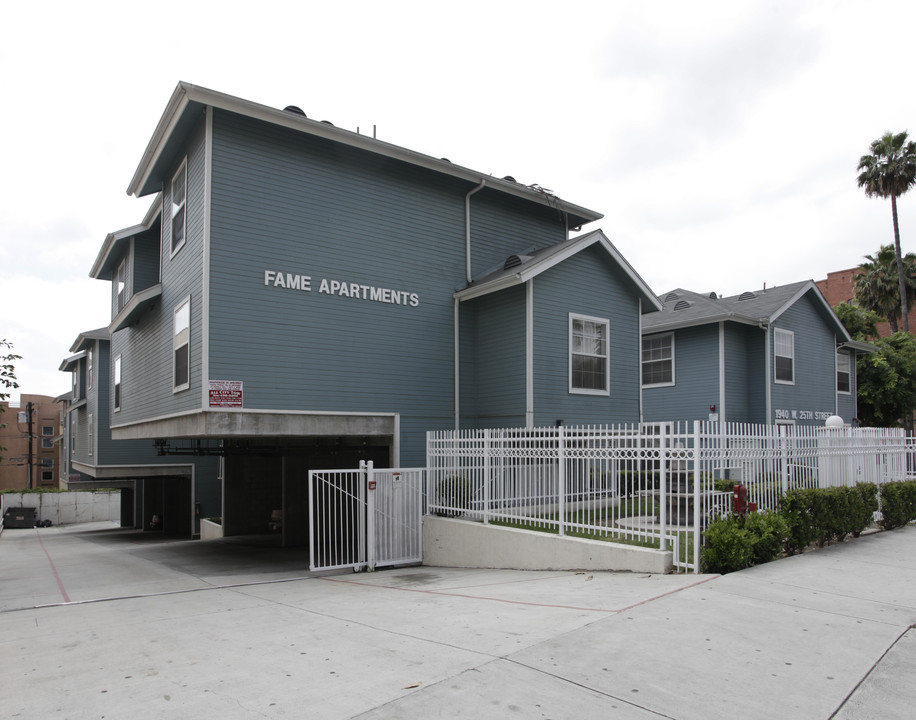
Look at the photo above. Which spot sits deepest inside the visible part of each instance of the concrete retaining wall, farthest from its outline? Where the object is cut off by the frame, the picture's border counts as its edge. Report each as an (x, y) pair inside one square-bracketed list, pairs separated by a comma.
[(68, 508), (460, 543)]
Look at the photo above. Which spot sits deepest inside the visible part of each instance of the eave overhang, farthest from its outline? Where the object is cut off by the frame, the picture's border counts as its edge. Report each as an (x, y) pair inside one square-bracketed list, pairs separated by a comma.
[(114, 247), (71, 362), (189, 102), (549, 259), (858, 346), (134, 308)]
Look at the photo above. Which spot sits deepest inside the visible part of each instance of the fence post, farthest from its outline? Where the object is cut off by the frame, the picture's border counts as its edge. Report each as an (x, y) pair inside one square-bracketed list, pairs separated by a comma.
[(662, 485), (698, 496), (370, 513), (783, 432), (561, 477), (486, 476)]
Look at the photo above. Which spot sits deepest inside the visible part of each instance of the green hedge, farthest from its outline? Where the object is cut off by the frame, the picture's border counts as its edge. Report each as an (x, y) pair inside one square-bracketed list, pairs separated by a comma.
[(823, 515), (739, 541), (898, 504)]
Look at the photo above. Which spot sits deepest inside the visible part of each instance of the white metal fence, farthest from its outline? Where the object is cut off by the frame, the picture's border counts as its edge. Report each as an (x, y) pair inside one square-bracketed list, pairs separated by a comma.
[(650, 483)]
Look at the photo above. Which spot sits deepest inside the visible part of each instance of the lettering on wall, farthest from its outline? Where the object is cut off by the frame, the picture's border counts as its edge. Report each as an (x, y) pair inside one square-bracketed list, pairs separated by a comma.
[(782, 414), (341, 288)]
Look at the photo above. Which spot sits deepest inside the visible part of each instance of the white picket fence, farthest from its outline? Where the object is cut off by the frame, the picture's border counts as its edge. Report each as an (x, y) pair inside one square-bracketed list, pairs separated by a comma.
[(651, 483)]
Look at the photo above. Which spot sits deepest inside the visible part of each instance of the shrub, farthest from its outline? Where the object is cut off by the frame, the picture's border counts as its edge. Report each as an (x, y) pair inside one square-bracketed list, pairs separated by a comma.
[(454, 493), (898, 504), (727, 546), (827, 514), (769, 531)]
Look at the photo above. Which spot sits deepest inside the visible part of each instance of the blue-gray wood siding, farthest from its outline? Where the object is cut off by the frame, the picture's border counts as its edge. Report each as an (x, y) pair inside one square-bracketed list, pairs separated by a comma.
[(289, 203), (590, 284), (496, 352), (696, 378), (147, 346), (814, 389), (745, 374)]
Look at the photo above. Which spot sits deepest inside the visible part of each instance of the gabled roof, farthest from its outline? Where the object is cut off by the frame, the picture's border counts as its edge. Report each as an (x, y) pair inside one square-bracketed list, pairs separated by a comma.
[(87, 338), (113, 248), (189, 101), (684, 308), (518, 269)]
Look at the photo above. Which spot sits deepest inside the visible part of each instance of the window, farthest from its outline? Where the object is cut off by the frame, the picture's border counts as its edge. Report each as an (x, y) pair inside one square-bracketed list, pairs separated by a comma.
[(588, 356), (47, 429), (842, 372), (75, 385), (785, 356), (89, 370), (658, 360), (47, 462), (117, 383), (91, 435), (47, 443), (181, 346), (47, 476), (120, 286), (179, 203)]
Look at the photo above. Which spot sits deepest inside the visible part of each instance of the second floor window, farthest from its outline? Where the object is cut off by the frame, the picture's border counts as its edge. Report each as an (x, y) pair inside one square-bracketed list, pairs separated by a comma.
[(117, 383), (181, 345), (588, 355), (658, 360), (785, 355), (843, 374), (179, 203)]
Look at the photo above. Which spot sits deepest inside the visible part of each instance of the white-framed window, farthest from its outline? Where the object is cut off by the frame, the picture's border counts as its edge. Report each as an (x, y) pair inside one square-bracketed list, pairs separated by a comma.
[(843, 373), (179, 206), (89, 370), (784, 341), (589, 371), (117, 383), (658, 360), (76, 386), (181, 346), (91, 435), (47, 462), (121, 286), (47, 476), (47, 430)]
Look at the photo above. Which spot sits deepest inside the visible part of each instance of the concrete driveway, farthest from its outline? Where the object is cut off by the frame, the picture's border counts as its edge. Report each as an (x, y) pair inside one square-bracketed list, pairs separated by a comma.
[(98, 622)]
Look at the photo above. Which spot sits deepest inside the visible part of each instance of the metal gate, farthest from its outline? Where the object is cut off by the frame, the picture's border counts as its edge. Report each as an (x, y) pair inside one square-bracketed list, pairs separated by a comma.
[(365, 518)]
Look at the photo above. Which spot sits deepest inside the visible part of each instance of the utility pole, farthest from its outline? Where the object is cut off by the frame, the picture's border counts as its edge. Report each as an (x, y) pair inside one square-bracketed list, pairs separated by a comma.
[(28, 410)]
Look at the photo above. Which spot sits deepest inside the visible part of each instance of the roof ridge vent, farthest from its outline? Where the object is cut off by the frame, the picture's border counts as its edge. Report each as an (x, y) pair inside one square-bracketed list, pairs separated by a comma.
[(713, 296), (681, 305), (515, 260), (671, 296), (747, 296)]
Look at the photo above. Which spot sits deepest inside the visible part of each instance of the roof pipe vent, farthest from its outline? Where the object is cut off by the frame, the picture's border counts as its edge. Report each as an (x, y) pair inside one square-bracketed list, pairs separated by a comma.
[(294, 109)]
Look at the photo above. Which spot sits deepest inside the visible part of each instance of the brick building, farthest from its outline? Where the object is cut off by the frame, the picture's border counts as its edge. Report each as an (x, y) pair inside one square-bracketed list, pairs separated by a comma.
[(45, 429), (837, 288)]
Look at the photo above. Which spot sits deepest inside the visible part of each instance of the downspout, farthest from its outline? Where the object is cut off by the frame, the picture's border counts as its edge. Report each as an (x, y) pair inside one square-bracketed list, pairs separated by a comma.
[(467, 227), (765, 326), (638, 355), (456, 362), (722, 372)]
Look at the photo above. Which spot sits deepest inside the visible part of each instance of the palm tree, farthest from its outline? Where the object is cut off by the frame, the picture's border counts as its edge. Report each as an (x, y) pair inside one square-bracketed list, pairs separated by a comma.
[(889, 171), (876, 285)]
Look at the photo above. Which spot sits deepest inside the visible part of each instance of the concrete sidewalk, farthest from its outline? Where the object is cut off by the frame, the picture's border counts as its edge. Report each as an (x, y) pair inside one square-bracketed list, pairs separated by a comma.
[(135, 626)]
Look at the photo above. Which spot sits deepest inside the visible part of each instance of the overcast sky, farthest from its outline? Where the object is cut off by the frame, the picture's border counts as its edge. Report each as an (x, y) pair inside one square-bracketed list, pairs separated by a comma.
[(719, 139)]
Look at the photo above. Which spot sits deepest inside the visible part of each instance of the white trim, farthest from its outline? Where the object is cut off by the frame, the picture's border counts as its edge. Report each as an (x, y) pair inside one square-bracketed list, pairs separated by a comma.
[(116, 367), (529, 354), (673, 380), (607, 356), (258, 411), (639, 356), (205, 279)]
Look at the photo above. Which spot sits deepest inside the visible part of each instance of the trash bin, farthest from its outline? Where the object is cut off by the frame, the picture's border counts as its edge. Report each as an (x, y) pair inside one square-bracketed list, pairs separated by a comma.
[(19, 518)]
